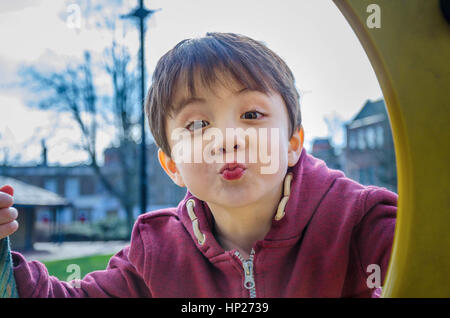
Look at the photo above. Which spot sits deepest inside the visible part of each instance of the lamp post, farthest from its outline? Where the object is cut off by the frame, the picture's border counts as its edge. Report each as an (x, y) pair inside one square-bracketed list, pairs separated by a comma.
[(142, 13)]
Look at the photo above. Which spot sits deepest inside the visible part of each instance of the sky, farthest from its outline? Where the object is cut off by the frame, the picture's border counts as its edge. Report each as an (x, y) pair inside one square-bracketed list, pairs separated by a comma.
[(332, 71)]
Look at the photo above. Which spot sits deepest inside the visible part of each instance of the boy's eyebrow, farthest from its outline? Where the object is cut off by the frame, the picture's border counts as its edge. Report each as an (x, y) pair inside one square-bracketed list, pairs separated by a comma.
[(186, 101)]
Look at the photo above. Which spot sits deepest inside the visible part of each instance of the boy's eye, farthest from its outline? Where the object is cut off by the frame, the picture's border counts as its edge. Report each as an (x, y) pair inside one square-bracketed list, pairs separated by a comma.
[(196, 124), (252, 114), (199, 124)]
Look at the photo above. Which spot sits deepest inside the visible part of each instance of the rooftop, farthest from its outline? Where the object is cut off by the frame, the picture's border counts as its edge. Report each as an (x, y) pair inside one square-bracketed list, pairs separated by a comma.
[(371, 109), (28, 195), (371, 113)]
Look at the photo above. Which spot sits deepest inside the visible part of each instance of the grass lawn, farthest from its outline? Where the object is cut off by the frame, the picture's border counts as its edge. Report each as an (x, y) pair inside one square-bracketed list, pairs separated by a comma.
[(86, 264)]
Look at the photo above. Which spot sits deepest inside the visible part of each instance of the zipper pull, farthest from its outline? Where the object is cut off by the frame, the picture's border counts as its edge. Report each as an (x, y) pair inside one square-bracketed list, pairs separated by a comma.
[(249, 282), (249, 279)]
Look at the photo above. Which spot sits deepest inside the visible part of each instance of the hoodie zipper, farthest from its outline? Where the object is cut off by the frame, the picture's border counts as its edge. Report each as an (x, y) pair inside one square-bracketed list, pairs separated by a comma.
[(249, 281)]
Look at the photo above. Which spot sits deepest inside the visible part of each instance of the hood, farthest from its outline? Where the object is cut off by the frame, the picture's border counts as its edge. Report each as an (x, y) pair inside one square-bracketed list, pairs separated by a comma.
[(311, 180)]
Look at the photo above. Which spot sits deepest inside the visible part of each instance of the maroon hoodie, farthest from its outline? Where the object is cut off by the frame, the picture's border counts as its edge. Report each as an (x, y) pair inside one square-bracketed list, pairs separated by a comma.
[(332, 230)]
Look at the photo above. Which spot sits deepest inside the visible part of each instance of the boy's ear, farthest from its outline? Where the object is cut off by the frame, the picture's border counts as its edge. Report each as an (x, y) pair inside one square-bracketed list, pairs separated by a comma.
[(170, 168), (295, 146)]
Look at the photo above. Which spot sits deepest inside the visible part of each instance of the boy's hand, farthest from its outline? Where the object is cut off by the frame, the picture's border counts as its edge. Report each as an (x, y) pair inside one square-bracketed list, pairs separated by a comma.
[(8, 214)]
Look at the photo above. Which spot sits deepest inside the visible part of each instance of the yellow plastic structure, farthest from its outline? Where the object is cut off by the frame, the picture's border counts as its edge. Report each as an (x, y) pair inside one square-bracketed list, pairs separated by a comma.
[(410, 53)]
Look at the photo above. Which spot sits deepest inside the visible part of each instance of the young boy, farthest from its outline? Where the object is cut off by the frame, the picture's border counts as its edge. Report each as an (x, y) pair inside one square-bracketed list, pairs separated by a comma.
[(293, 229)]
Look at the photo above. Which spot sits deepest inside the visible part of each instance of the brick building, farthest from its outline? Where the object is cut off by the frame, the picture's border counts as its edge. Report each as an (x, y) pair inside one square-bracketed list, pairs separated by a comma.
[(369, 154)]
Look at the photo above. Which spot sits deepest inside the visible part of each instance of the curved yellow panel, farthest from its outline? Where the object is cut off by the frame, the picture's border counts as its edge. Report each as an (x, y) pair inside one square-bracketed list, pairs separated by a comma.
[(410, 54)]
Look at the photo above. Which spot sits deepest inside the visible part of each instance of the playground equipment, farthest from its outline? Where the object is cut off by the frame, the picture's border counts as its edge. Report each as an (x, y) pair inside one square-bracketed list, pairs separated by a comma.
[(410, 53)]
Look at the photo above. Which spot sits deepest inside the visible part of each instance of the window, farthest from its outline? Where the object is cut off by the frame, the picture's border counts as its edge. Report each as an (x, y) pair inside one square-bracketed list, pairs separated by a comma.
[(83, 215), (370, 136), (87, 185), (361, 140), (352, 140), (380, 136), (71, 188)]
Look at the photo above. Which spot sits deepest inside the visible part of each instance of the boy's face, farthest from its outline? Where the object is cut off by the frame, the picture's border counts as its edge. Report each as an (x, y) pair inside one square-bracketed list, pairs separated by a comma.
[(243, 126)]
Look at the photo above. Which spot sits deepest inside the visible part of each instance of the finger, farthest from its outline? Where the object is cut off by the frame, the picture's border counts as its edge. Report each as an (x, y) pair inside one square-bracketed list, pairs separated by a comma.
[(8, 215), (7, 189), (6, 200), (8, 229)]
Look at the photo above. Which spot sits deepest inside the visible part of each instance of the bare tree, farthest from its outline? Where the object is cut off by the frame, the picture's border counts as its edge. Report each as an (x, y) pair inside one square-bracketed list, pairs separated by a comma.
[(335, 127), (73, 91)]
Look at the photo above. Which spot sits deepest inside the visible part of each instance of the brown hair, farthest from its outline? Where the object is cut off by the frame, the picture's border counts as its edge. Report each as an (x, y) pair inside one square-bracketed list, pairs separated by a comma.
[(247, 61)]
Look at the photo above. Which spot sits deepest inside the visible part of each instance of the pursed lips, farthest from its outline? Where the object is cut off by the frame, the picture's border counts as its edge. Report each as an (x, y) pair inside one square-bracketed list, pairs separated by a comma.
[(232, 166)]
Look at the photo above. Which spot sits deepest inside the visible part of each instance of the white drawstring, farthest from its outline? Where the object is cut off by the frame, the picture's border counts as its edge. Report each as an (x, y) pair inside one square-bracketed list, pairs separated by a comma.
[(198, 234), (285, 198)]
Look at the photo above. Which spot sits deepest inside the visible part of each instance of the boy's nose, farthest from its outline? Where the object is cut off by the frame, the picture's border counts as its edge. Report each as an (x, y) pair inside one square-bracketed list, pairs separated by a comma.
[(229, 144), (224, 150)]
